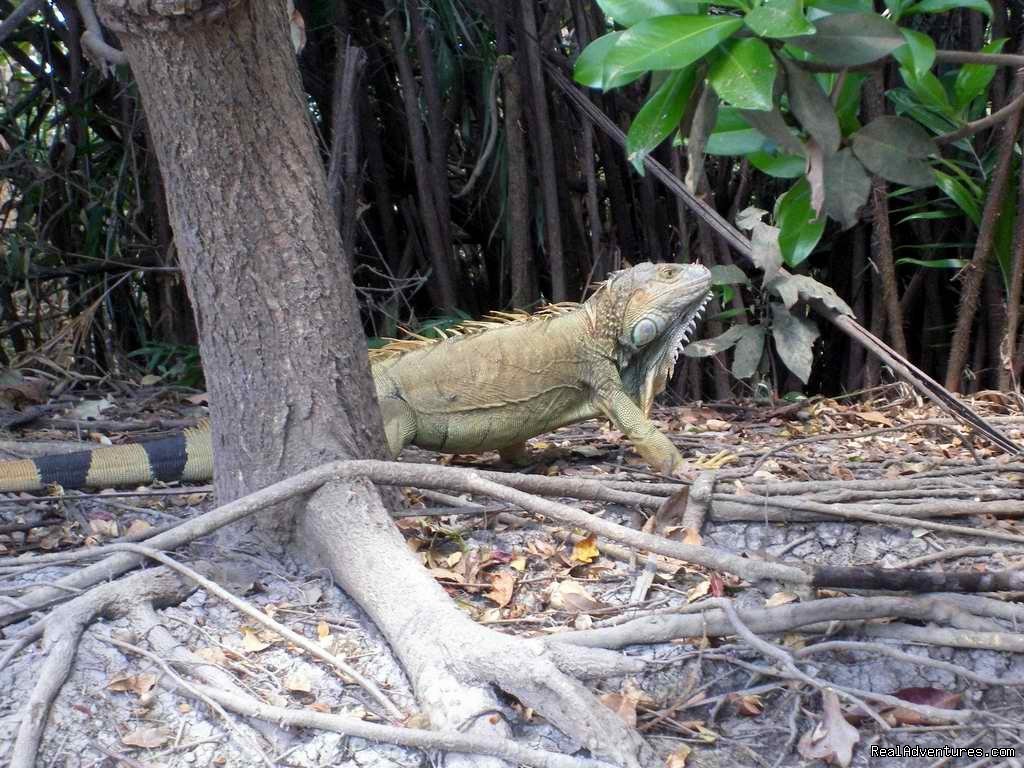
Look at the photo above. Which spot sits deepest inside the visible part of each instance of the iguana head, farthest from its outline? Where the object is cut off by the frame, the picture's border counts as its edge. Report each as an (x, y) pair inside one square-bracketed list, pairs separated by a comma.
[(646, 313)]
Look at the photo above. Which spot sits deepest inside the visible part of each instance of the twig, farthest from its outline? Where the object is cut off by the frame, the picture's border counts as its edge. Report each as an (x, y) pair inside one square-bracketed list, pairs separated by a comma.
[(981, 124), (259, 617), (14, 20)]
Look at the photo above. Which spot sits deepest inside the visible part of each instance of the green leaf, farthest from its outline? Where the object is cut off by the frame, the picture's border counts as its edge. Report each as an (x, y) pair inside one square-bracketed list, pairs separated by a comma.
[(744, 74), (972, 80), (732, 135), (749, 350), (812, 107), (929, 91), (895, 148), (939, 6), (847, 186), (800, 229), (629, 12), (851, 39), (669, 42), (920, 51), (779, 18), (590, 68), (842, 6), (848, 103), (930, 216), (660, 115), (779, 166), (935, 263), (794, 341)]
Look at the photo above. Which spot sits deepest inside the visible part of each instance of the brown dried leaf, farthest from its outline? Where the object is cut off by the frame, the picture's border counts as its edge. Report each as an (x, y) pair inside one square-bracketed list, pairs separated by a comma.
[(298, 681), (138, 684), (678, 757), (832, 739), (623, 705), (503, 584), (252, 640), (137, 527), (569, 595), (148, 738)]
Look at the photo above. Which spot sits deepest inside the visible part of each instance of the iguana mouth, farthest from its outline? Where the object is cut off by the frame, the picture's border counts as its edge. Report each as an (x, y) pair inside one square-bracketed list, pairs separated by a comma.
[(682, 336)]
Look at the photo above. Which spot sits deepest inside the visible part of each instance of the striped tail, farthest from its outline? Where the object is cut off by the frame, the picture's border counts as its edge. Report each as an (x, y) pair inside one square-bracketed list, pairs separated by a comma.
[(186, 456)]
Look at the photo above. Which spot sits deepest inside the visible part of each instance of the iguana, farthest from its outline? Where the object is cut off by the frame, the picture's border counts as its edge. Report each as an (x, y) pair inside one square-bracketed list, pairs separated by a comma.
[(489, 385)]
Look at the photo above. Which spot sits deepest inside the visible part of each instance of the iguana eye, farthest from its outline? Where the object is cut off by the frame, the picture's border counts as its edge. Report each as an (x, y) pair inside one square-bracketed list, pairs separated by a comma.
[(644, 332)]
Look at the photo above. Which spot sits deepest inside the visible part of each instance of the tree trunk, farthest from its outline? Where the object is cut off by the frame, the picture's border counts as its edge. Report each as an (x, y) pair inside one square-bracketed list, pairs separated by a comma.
[(286, 363)]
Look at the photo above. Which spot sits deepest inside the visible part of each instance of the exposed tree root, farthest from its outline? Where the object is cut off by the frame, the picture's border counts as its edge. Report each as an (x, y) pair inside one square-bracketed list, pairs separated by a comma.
[(65, 626)]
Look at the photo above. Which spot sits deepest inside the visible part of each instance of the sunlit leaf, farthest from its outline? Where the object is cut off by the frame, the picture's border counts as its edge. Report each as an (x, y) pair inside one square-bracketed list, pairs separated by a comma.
[(939, 6), (590, 65), (659, 116), (799, 229), (732, 135), (629, 12), (972, 80), (935, 263), (921, 51), (779, 18), (669, 42), (744, 74)]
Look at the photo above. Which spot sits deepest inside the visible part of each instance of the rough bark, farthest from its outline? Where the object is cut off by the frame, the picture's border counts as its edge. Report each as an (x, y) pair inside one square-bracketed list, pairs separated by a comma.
[(286, 364), (1009, 356)]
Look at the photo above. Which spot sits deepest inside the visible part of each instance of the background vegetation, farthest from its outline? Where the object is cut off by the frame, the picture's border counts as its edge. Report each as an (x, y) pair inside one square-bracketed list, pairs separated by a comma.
[(882, 153)]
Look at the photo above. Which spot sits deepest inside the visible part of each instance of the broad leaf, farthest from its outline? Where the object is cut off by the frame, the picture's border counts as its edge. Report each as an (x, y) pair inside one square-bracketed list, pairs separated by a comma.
[(847, 186), (708, 347), (1005, 229), (590, 65), (669, 42), (792, 288), (749, 350), (765, 251), (629, 12), (660, 116), (728, 274), (920, 49), (779, 166), (732, 135), (939, 6), (851, 39), (779, 18), (800, 230), (744, 74), (794, 341), (812, 107), (972, 80), (895, 148), (773, 125)]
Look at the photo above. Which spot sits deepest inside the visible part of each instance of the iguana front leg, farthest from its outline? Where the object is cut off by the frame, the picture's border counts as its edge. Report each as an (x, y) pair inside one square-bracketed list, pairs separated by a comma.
[(655, 448)]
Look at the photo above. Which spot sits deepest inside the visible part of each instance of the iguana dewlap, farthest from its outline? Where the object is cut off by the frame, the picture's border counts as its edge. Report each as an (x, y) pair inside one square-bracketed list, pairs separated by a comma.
[(490, 386)]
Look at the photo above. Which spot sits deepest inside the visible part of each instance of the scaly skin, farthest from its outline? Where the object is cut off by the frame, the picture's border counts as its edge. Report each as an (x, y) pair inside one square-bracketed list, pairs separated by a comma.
[(494, 389), (491, 388)]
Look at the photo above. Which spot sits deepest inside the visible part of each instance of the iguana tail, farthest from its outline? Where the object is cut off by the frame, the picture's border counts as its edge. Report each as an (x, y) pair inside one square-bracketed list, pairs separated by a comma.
[(185, 456)]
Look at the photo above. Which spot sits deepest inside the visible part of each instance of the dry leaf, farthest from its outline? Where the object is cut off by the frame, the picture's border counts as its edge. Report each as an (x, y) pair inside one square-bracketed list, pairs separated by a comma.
[(137, 527), (138, 684), (833, 738), (147, 738), (298, 681), (518, 563), (585, 550), (102, 527), (678, 757), (212, 655), (568, 595), (780, 598), (252, 641), (623, 705), (749, 705), (503, 584), (699, 591), (716, 425)]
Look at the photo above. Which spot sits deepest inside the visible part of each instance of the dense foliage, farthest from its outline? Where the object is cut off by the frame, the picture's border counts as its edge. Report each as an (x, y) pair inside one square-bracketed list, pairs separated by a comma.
[(873, 148)]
